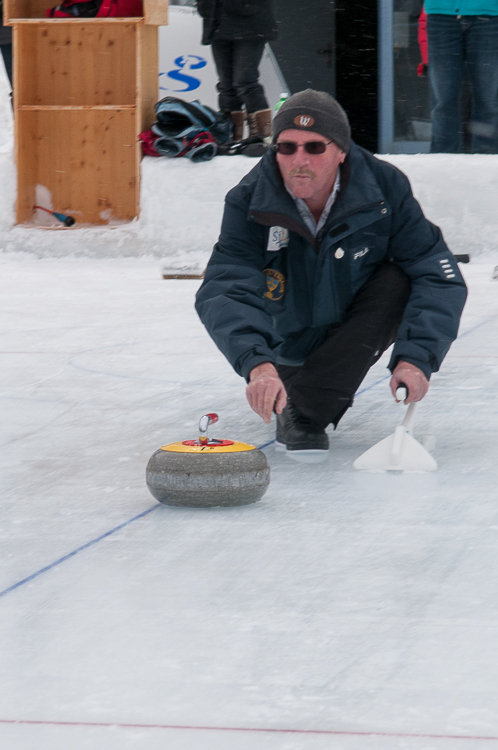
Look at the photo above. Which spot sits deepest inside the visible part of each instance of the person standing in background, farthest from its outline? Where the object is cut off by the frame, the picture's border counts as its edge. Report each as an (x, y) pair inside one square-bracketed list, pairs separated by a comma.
[(237, 31), (463, 37), (6, 44)]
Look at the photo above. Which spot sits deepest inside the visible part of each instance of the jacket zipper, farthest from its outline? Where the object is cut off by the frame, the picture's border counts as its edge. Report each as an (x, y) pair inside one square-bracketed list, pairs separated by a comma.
[(319, 237), (363, 208)]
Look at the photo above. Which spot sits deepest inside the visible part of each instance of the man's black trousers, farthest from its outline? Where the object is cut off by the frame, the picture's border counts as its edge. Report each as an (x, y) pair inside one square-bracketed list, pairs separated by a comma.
[(323, 387)]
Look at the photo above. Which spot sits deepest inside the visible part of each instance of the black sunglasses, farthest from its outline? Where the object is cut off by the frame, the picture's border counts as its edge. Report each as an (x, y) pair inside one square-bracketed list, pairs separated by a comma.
[(287, 148)]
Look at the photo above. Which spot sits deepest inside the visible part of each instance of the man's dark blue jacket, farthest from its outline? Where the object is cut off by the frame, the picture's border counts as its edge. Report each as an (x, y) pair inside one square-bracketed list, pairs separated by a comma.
[(269, 294)]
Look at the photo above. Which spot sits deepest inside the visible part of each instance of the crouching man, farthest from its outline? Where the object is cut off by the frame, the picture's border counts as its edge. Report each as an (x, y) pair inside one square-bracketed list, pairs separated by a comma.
[(324, 260)]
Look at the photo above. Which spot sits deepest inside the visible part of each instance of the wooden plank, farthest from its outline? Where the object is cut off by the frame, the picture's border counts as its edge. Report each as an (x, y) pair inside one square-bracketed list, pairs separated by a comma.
[(156, 12), (78, 111), (14, 9), (118, 175), (179, 275), (87, 163), (90, 64), (148, 75), (31, 10), (25, 64), (82, 108), (58, 21), (103, 166), (118, 47), (53, 173), (53, 50), (26, 150), (84, 163)]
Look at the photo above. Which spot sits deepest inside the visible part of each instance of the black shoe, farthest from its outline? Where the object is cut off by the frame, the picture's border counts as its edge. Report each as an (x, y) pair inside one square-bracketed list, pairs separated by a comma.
[(258, 148), (253, 143), (300, 437)]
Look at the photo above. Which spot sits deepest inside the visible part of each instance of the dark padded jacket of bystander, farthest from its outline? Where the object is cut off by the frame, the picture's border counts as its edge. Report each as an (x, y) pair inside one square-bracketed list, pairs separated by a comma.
[(237, 20)]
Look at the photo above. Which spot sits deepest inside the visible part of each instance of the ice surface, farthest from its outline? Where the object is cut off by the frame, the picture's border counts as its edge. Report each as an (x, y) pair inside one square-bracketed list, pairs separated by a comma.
[(342, 602)]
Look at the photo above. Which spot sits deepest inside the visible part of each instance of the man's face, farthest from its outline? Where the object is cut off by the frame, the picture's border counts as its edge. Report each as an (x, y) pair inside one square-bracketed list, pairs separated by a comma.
[(310, 177)]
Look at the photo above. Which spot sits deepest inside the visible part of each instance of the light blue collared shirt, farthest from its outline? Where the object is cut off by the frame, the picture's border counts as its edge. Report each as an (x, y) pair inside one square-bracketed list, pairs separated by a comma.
[(305, 212)]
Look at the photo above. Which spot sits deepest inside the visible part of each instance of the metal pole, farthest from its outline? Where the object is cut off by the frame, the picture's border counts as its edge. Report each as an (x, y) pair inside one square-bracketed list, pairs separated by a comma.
[(386, 76)]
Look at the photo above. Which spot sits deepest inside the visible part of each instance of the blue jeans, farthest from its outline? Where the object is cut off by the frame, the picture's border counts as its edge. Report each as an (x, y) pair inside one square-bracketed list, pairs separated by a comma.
[(459, 45), (237, 64)]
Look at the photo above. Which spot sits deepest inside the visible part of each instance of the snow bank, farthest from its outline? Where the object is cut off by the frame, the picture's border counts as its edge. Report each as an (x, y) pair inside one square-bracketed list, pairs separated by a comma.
[(182, 205), (459, 193), (181, 209)]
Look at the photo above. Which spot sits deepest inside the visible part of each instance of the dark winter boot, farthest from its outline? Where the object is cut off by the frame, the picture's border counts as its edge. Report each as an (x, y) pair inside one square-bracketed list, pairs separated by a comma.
[(299, 436), (238, 120)]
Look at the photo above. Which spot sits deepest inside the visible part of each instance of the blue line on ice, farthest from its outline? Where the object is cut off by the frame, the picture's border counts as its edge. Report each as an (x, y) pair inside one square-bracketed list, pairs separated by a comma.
[(75, 552), (126, 523), (89, 544), (154, 507)]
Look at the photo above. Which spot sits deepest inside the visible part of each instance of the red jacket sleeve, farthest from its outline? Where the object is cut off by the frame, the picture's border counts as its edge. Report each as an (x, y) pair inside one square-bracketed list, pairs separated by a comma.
[(422, 42)]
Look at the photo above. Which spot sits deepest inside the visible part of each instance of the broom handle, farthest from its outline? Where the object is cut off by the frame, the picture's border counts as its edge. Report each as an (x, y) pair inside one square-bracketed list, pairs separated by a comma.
[(404, 427), (409, 419), (401, 395)]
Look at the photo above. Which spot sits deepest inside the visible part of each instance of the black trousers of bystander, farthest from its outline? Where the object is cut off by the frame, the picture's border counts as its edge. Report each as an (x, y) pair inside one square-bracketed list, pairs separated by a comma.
[(237, 64), (323, 387)]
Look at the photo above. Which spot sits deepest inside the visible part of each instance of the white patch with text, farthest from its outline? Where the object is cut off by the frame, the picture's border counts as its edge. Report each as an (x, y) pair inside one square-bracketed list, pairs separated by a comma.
[(277, 239)]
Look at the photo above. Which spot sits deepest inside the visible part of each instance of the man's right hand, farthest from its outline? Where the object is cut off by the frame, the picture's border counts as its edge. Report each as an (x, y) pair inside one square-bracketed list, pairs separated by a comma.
[(266, 392)]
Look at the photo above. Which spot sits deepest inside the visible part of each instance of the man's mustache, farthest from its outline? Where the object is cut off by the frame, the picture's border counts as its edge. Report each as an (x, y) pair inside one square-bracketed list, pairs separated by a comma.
[(302, 171)]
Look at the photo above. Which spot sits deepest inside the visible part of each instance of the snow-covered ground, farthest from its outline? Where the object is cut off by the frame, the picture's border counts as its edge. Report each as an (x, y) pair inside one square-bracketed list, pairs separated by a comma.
[(345, 610), (182, 205)]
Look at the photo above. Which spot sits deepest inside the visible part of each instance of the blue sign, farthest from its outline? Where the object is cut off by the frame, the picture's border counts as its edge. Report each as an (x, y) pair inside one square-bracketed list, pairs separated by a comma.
[(184, 63)]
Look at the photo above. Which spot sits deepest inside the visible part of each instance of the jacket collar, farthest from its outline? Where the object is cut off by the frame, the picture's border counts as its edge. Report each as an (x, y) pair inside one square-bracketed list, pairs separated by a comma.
[(361, 189), (271, 204)]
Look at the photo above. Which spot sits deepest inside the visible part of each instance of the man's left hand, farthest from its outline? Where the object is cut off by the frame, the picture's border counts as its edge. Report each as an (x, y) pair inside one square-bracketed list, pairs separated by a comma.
[(414, 379)]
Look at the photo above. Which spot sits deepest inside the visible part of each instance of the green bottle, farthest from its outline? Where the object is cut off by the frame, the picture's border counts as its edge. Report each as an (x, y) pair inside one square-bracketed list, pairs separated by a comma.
[(283, 98)]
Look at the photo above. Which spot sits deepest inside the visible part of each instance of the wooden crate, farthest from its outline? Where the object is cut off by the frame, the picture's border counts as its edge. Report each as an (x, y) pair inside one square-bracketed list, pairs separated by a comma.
[(83, 91)]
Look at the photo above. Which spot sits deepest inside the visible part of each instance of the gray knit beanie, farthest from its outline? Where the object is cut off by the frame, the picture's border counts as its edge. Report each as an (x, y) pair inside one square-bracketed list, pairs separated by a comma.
[(314, 111)]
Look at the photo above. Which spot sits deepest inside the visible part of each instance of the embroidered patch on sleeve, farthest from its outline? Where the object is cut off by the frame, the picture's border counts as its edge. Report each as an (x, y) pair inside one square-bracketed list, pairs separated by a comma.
[(275, 283)]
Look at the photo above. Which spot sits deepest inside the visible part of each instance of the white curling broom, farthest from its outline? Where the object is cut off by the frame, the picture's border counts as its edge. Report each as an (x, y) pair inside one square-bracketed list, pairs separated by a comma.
[(400, 451)]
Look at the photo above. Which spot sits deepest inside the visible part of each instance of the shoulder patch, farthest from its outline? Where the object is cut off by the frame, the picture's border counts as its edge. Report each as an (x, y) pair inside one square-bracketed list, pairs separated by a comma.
[(275, 284)]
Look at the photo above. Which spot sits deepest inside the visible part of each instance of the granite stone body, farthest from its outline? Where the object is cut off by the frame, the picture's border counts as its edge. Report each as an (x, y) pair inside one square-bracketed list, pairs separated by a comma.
[(211, 480)]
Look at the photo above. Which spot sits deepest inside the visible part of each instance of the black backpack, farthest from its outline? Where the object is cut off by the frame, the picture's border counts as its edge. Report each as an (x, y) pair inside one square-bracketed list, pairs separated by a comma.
[(177, 118)]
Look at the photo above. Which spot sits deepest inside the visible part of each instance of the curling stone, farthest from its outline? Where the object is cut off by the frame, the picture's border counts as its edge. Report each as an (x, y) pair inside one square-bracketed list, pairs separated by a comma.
[(208, 473)]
